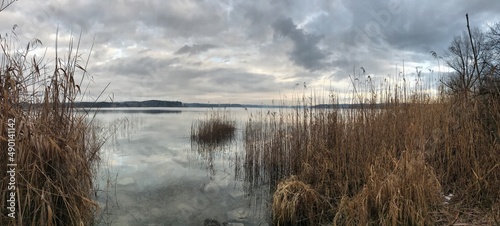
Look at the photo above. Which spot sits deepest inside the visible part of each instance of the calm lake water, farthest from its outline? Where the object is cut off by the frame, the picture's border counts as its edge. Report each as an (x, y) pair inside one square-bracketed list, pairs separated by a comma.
[(151, 174)]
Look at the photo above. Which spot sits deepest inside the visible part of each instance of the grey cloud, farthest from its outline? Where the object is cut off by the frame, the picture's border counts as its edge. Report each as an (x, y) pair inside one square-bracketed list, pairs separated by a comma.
[(185, 84), (218, 80), (380, 34), (305, 51), (140, 67), (413, 25), (141, 42), (149, 77), (254, 17), (194, 49), (185, 20), (236, 81), (115, 21)]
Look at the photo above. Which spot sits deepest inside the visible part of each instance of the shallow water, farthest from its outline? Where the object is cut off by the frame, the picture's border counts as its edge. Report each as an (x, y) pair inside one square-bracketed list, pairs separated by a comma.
[(151, 174)]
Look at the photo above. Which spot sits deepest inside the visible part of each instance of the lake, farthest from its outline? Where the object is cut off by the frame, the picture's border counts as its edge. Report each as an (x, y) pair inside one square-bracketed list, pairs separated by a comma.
[(151, 173)]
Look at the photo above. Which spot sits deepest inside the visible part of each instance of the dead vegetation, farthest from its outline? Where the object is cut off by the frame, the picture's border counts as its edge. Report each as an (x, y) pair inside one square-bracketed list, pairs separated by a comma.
[(379, 166), (296, 203), (56, 151), (215, 129)]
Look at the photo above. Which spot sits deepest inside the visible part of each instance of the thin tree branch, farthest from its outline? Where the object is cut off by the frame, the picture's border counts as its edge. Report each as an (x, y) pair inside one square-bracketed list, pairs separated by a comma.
[(5, 4), (473, 50)]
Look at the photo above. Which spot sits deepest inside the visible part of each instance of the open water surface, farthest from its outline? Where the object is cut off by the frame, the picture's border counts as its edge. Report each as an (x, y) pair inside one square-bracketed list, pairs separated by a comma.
[(151, 173)]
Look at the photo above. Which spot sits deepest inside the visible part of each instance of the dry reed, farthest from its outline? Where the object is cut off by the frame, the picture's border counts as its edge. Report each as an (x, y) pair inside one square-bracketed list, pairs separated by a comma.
[(385, 164), (296, 203), (56, 150), (216, 128), (403, 191)]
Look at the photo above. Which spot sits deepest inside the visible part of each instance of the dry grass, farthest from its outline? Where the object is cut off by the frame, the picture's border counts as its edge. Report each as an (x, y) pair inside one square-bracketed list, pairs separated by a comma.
[(403, 191), (216, 128), (56, 151), (296, 203), (383, 166)]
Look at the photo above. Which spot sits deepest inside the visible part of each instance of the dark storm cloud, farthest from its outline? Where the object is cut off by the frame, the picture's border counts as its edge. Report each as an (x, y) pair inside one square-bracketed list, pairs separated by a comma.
[(414, 25), (194, 49), (305, 51)]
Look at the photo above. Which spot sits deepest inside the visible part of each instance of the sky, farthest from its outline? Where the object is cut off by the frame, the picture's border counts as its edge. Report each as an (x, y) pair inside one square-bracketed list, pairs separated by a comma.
[(239, 51)]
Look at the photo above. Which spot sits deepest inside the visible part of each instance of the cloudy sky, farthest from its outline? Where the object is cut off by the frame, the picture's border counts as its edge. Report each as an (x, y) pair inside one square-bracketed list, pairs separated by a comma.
[(241, 51)]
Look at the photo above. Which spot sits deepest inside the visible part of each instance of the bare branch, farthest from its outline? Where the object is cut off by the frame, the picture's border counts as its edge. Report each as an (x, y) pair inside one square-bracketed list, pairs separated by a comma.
[(5, 4), (473, 49)]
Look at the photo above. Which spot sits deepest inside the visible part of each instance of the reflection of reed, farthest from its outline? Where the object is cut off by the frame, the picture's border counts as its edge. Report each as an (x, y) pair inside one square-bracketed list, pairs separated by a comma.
[(214, 135), (210, 153), (214, 140), (120, 128)]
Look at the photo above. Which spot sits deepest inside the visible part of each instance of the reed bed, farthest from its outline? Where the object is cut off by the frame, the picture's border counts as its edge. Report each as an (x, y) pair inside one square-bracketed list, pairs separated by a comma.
[(215, 129), (390, 163), (212, 136), (406, 193), (56, 151)]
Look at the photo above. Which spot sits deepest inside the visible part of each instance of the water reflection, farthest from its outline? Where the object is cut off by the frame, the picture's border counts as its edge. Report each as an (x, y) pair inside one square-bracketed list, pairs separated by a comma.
[(152, 173), (209, 156)]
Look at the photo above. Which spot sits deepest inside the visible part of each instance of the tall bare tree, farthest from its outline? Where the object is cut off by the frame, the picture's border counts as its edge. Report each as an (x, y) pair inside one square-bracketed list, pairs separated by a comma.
[(493, 36), (492, 79), (461, 58)]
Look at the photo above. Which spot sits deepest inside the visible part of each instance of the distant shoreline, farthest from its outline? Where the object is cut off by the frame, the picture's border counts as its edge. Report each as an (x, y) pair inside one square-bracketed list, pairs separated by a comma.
[(178, 104), (128, 104)]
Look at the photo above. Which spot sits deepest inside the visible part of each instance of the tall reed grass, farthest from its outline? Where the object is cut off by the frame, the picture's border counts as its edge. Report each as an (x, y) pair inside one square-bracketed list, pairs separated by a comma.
[(57, 152), (387, 163), (216, 128)]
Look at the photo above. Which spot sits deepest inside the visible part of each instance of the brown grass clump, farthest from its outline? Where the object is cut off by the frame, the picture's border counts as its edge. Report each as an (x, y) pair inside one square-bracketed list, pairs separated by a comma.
[(56, 152), (296, 203), (217, 128), (405, 191)]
